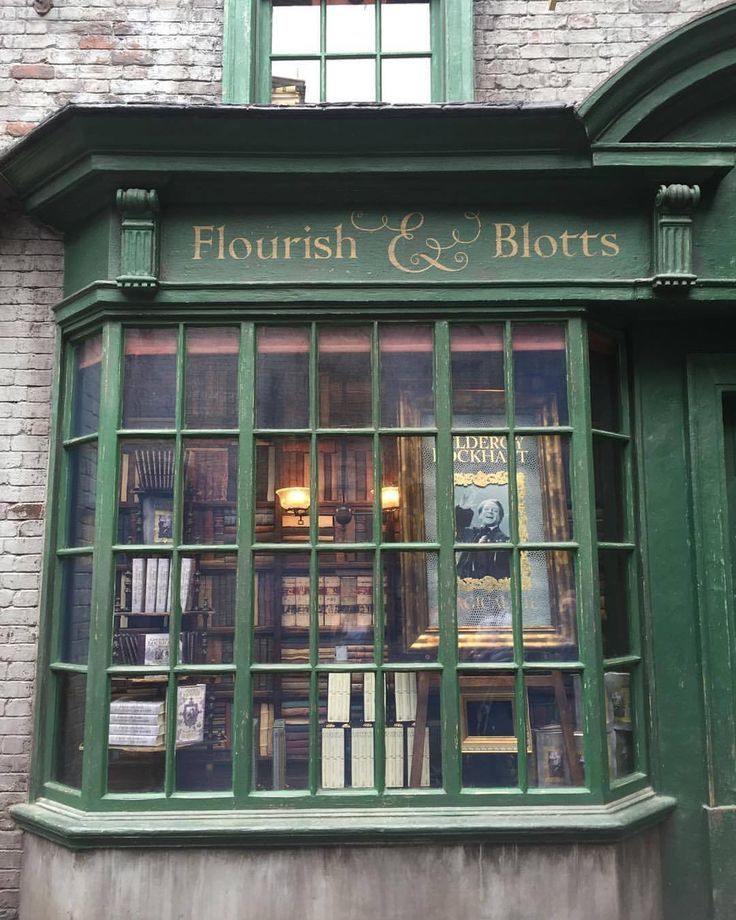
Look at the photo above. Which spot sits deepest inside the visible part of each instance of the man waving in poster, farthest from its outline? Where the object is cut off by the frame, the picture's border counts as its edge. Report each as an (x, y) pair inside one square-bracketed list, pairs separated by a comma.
[(481, 524)]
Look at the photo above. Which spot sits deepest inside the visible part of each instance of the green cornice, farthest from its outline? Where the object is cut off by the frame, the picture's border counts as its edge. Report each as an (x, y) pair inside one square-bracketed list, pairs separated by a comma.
[(76, 829), (671, 81), (74, 162)]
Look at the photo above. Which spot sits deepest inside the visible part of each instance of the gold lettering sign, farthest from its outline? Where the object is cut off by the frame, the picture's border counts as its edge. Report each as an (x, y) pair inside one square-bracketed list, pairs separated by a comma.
[(410, 247)]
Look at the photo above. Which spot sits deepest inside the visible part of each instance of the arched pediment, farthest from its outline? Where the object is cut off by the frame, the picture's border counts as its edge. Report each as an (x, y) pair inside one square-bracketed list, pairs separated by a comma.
[(685, 77)]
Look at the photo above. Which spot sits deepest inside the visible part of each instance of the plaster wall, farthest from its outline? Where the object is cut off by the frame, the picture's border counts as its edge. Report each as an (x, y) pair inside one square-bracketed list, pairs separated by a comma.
[(485, 882)]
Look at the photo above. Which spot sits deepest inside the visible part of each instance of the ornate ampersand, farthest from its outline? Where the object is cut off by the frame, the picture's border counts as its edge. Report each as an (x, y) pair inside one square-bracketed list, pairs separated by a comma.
[(432, 253)]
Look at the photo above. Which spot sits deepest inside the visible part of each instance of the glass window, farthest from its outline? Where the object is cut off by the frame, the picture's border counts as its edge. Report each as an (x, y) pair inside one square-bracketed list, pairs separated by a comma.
[(345, 557), (364, 51)]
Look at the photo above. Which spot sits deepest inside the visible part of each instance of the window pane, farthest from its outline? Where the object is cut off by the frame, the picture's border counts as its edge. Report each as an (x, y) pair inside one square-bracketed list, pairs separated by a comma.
[(346, 614), (408, 489), (86, 400), (413, 710), (294, 82), (82, 494), (207, 598), (543, 488), (478, 393), (620, 725), (347, 704), (294, 28), (282, 378), (283, 491), (345, 377), (75, 619), (484, 605), (149, 378), (405, 26), (608, 467), (212, 378), (71, 689), (281, 730), (137, 735), (555, 706), (548, 605), (143, 605), (406, 80), (604, 382), (351, 81), (210, 490), (540, 374), (204, 733), (281, 599), (345, 479), (488, 739), (145, 511), (351, 27), (614, 586), (407, 399), (411, 602)]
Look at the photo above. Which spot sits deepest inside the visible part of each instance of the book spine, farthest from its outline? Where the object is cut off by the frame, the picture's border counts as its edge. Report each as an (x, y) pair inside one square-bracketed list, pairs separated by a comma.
[(369, 696), (151, 580), (338, 697), (333, 758), (394, 739), (361, 757), (162, 586), (137, 706), (138, 580)]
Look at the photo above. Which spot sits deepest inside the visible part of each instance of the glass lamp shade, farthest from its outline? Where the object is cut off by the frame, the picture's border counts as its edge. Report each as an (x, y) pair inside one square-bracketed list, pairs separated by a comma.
[(294, 499), (390, 498)]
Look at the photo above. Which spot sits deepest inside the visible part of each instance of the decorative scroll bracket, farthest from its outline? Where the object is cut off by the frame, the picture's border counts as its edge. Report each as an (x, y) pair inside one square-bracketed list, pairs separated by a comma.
[(673, 236), (42, 6), (138, 238)]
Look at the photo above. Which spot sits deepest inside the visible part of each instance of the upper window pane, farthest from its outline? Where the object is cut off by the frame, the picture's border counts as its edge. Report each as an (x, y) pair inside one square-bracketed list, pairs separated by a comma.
[(405, 26), (351, 27), (478, 396), (86, 401), (149, 378), (540, 374), (212, 378), (294, 28), (406, 80), (345, 377), (406, 376), (282, 378)]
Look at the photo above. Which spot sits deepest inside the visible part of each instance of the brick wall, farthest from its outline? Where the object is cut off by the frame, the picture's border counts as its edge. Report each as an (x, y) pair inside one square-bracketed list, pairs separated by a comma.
[(30, 283), (170, 51)]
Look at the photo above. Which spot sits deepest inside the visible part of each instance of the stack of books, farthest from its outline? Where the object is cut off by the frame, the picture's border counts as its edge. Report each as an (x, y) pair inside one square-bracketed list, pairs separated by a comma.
[(137, 724)]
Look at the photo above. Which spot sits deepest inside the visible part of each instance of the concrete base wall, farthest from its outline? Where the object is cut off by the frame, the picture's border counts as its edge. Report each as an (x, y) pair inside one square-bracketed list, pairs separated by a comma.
[(477, 882)]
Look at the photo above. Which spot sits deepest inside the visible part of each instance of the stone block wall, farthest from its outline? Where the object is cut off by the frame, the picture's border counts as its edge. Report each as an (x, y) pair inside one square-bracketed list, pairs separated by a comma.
[(170, 51)]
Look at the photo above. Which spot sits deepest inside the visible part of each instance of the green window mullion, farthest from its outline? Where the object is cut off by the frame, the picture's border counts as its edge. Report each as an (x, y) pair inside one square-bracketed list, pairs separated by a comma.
[(242, 734), (438, 76), (377, 56), (448, 639), (516, 601), (175, 618), (314, 749), (94, 769), (584, 505), (264, 61), (379, 746), (322, 50)]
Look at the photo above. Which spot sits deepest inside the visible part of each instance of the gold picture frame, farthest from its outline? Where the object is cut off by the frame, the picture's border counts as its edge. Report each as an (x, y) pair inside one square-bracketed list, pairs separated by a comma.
[(478, 697)]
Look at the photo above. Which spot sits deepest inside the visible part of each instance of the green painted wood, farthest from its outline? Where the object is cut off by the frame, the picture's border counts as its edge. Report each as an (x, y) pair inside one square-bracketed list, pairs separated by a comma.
[(239, 52), (457, 58), (73, 828)]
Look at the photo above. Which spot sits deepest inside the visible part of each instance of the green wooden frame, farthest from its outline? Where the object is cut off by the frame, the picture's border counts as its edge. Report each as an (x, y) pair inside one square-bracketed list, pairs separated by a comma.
[(246, 72), (93, 795)]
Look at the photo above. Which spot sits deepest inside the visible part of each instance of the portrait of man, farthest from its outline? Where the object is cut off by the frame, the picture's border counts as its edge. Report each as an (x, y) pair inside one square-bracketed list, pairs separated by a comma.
[(482, 523)]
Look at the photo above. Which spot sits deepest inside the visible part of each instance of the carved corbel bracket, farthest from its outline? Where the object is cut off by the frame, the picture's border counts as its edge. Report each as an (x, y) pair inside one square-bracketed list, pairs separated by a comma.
[(673, 236), (42, 6), (138, 238)]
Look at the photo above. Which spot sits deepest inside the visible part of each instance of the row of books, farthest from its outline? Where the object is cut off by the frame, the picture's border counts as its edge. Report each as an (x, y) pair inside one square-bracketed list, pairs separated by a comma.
[(207, 473), (348, 757), (210, 525), (150, 581), (146, 648), (343, 601)]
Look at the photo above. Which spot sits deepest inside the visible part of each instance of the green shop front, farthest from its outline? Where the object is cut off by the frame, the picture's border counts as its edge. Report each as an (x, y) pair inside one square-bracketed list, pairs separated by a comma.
[(389, 538)]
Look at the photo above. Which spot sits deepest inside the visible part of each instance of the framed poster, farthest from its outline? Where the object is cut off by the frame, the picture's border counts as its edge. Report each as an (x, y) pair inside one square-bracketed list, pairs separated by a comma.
[(483, 508)]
